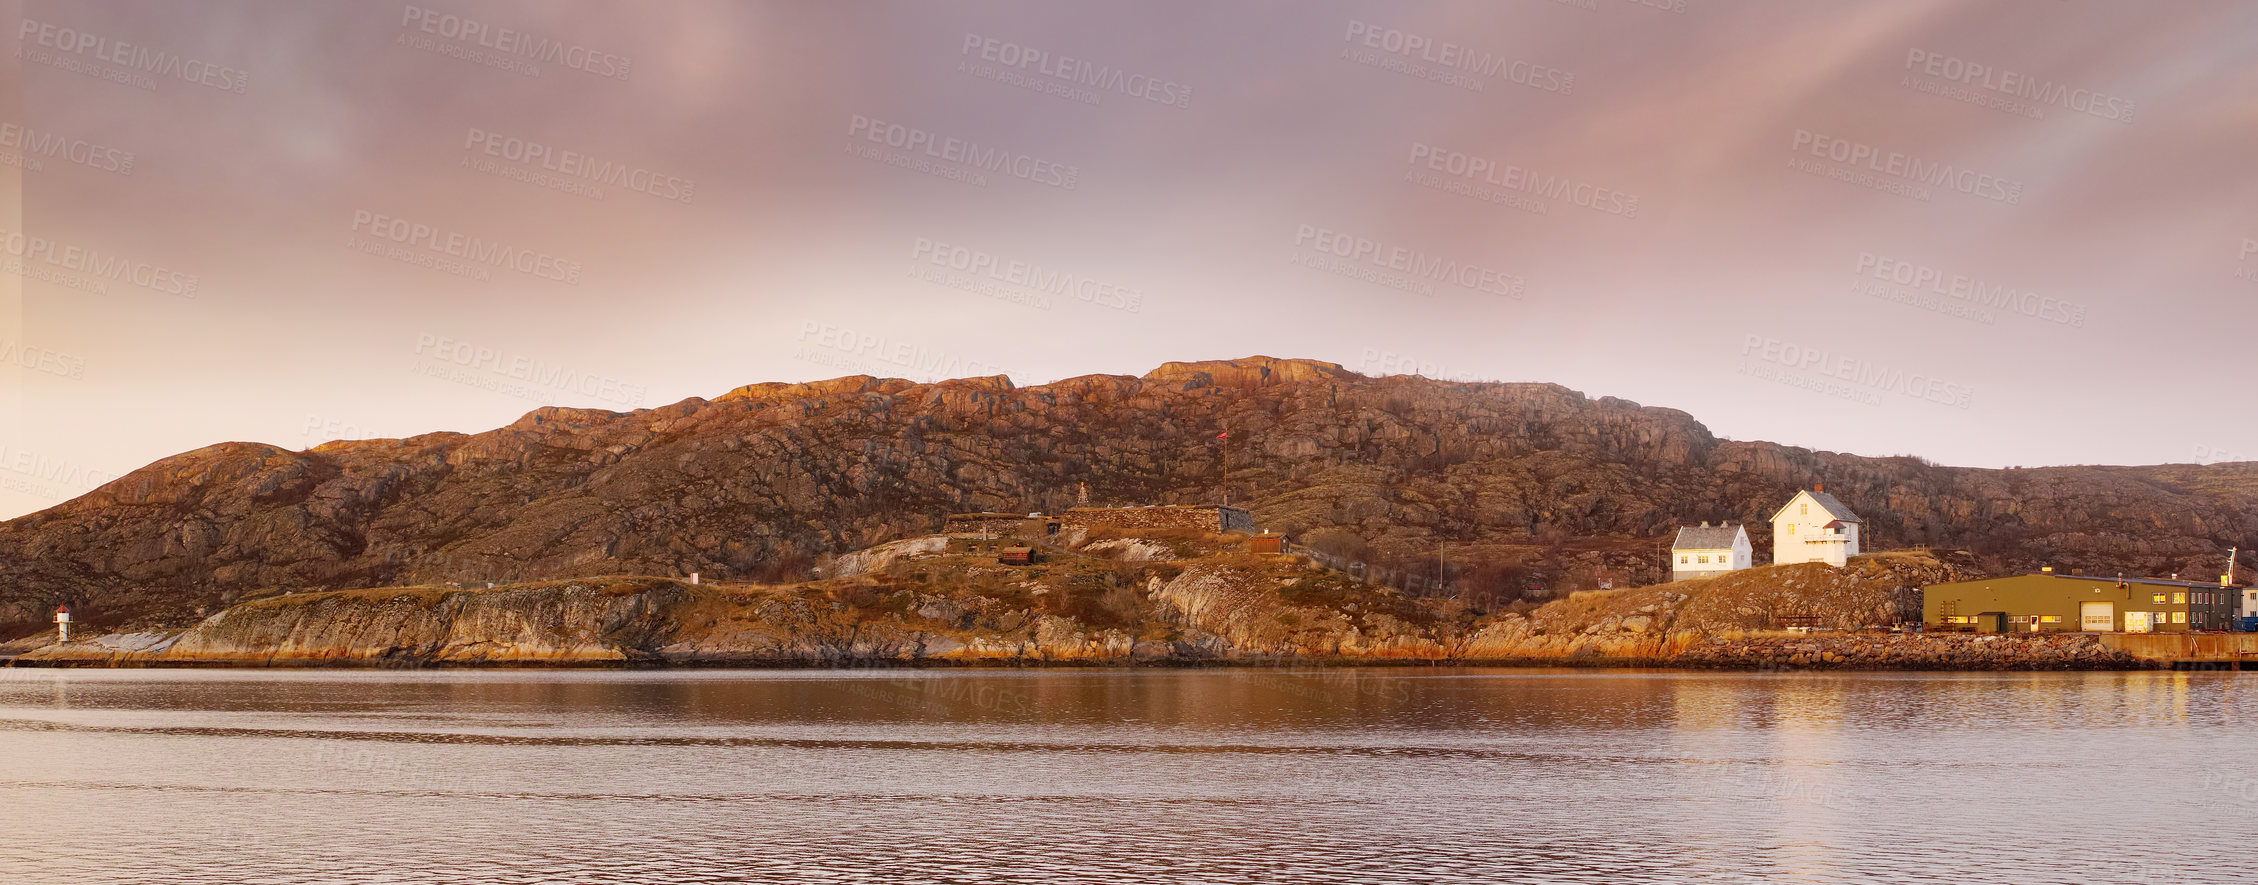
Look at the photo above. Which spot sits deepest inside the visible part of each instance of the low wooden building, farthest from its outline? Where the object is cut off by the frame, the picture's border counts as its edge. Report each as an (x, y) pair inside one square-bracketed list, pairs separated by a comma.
[(2058, 603), (1016, 556)]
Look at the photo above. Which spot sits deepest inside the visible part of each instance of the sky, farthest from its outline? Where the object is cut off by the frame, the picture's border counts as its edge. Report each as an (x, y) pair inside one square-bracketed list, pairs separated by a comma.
[(2006, 233)]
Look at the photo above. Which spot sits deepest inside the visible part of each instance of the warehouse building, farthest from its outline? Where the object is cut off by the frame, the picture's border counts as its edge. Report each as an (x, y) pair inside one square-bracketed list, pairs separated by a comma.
[(2050, 603)]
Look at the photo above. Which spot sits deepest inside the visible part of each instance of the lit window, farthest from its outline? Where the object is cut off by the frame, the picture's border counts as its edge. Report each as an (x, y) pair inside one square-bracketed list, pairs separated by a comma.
[(1704, 559), (2179, 617), (1803, 510), (1791, 528), (1682, 560), (2050, 619), (2157, 598), (2179, 598)]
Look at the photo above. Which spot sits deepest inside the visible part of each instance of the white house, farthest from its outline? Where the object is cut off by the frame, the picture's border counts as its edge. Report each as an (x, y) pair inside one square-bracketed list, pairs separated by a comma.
[(1705, 550), (1814, 527)]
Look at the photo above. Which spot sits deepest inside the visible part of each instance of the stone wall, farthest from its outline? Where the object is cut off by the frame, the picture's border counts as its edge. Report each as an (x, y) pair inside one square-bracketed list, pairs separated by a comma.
[(1205, 518), (1911, 651), (999, 525)]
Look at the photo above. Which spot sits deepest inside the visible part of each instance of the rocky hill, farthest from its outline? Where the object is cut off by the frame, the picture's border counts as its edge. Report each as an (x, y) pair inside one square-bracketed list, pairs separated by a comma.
[(1142, 598), (1525, 486)]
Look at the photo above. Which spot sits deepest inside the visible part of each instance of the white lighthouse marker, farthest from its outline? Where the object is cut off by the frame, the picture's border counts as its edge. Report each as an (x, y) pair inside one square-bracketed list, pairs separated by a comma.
[(63, 623)]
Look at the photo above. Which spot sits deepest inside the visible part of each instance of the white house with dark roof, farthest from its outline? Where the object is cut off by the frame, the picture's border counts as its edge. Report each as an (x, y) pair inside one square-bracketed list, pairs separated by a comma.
[(1814, 527), (1705, 550)]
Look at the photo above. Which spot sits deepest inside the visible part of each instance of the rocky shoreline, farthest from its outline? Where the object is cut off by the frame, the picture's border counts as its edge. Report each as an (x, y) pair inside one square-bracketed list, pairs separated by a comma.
[(1758, 653)]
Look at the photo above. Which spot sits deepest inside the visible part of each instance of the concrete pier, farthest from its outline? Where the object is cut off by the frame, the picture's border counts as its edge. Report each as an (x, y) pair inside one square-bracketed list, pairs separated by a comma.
[(2208, 651)]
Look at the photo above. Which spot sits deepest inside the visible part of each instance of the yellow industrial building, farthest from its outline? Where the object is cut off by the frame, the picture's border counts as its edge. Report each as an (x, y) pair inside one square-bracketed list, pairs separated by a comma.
[(2049, 602)]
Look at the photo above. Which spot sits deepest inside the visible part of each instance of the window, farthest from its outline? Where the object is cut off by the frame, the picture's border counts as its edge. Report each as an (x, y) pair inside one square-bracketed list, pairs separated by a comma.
[(2156, 598), (2179, 617), (1791, 528), (1682, 560), (2179, 598), (1704, 559), (1803, 510), (2050, 619)]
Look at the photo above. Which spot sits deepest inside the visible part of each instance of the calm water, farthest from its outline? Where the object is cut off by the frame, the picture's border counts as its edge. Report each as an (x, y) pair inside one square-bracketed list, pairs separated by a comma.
[(1126, 777)]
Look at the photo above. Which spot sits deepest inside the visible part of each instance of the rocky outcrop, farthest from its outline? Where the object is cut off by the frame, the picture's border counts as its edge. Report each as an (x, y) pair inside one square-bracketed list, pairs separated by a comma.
[(931, 607), (1529, 485), (570, 623), (862, 562)]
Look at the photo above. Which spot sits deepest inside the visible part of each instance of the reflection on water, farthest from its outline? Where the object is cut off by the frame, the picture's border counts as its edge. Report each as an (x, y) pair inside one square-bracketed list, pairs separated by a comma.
[(1337, 776)]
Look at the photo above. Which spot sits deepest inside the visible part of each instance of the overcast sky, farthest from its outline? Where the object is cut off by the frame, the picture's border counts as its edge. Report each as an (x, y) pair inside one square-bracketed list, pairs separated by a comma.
[(1987, 233)]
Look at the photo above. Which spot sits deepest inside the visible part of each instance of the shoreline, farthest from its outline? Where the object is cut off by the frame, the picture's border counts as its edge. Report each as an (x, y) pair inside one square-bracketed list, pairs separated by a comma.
[(1221, 614), (1327, 662)]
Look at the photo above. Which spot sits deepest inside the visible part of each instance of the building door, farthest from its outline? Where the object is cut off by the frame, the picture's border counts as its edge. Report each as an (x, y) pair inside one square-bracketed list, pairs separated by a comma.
[(2097, 617), (2137, 622)]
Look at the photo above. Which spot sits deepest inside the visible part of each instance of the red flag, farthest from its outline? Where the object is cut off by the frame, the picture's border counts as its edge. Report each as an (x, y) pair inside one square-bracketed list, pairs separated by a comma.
[(1224, 435)]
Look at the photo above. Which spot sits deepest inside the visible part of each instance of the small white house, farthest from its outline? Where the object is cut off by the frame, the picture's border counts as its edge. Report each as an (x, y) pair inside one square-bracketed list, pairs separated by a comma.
[(1705, 550), (1814, 527)]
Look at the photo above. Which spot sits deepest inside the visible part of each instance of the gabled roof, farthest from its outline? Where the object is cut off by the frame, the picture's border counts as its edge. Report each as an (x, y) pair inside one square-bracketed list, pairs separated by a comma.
[(1826, 502), (1705, 537)]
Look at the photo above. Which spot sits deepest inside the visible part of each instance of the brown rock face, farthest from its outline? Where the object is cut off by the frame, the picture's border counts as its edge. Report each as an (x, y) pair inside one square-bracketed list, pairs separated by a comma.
[(762, 481), (1247, 374)]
